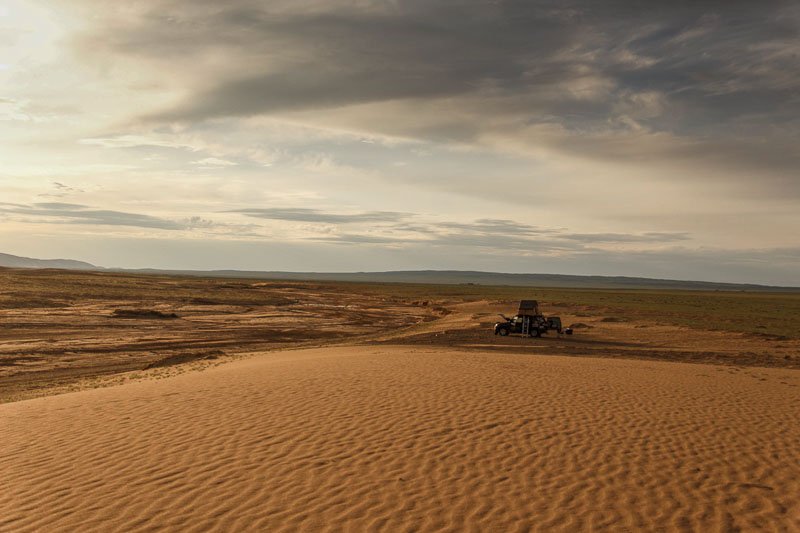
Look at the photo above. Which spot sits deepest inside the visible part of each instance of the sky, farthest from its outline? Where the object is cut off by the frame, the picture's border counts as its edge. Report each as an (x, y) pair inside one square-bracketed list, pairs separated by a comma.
[(577, 137)]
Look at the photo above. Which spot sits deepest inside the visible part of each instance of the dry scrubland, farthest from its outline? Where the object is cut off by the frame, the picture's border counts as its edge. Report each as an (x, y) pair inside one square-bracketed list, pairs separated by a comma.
[(64, 330), (400, 412)]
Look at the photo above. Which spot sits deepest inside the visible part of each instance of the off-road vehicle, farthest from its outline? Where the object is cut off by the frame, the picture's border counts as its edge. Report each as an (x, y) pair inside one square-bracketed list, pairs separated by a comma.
[(529, 322)]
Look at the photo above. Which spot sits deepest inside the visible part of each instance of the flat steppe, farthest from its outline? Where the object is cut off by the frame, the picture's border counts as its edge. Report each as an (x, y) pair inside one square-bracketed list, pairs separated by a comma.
[(401, 412)]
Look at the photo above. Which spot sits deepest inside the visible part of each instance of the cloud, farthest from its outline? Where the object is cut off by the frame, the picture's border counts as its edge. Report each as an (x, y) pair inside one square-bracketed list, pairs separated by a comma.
[(60, 190), (500, 235), (389, 228), (648, 237), (58, 206), (496, 226), (322, 217), (135, 141), (409, 50), (552, 127), (26, 111), (214, 162), (576, 61), (384, 228), (82, 214), (692, 86), (71, 213), (13, 110)]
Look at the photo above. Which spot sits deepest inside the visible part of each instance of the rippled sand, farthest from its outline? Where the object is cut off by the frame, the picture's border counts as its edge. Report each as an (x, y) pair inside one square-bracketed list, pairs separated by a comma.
[(402, 438)]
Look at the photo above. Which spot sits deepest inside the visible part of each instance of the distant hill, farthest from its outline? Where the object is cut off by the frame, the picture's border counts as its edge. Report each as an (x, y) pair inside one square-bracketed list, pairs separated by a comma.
[(484, 278), (13, 261), (441, 277)]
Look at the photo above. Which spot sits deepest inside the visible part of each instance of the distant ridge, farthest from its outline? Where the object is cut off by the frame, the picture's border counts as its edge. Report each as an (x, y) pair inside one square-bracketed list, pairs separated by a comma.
[(14, 261), (456, 277), (440, 277)]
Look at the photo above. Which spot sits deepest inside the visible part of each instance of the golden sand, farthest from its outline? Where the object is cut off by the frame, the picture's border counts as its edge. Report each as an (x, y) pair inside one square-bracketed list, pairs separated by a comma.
[(404, 438)]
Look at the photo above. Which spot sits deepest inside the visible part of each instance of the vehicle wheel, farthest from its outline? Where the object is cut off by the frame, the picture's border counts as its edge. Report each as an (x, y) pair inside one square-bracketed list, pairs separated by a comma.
[(502, 332), (536, 333)]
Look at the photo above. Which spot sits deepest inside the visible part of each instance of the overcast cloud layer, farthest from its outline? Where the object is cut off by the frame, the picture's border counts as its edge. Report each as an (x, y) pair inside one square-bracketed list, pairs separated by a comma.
[(620, 137)]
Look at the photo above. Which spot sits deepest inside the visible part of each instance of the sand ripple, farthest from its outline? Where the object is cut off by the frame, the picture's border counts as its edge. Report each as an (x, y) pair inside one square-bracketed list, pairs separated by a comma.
[(403, 439)]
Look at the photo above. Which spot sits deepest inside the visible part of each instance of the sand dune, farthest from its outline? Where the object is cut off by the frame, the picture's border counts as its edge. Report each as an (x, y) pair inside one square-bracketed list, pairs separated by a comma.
[(411, 439)]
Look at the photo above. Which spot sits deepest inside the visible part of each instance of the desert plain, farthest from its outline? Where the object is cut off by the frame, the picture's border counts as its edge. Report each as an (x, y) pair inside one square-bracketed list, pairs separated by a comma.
[(144, 402)]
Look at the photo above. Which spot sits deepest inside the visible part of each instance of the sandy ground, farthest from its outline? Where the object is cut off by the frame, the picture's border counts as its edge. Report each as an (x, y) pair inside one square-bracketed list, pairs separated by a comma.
[(63, 344), (411, 438)]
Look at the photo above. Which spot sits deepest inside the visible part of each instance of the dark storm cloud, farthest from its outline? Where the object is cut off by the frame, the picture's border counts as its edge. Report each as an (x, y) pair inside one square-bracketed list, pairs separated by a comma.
[(713, 61), (703, 82), (337, 58), (317, 216), (709, 84)]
